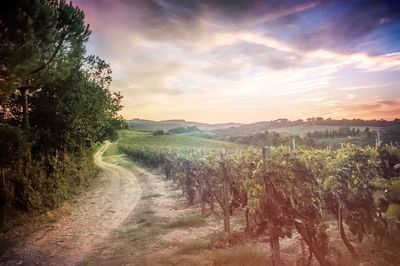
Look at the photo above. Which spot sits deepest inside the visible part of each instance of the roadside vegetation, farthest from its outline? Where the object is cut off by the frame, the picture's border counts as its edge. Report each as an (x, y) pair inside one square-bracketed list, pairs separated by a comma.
[(55, 105)]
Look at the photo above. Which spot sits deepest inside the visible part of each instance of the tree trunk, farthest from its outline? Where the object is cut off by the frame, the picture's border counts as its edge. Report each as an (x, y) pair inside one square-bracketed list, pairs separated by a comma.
[(275, 247), (346, 242), (313, 246), (4, 180), (227, 214), (202, 199), (5, 202), (25, 124), (225, 199), (247, 214), (25, 111)]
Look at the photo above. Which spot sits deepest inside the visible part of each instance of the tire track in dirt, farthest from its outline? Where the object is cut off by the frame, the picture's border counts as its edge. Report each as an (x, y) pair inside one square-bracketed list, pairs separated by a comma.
[(96, 214)]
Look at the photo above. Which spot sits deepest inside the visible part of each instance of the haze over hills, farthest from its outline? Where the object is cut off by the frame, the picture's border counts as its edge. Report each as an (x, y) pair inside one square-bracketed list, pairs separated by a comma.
[(280, 125), (150, 125)]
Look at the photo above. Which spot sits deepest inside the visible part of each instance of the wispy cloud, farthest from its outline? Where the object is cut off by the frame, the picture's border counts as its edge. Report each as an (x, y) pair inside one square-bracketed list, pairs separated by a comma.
[(246, 60)]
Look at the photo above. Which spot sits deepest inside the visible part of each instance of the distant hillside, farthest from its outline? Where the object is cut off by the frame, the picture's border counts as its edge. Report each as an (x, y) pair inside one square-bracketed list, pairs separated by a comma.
[(149, 125), (300, 127), (303, 129), (253, 128)]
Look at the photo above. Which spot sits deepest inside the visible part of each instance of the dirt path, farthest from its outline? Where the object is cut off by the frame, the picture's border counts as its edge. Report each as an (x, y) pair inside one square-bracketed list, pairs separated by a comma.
[(97, 213), (138, 238), (133, 216)]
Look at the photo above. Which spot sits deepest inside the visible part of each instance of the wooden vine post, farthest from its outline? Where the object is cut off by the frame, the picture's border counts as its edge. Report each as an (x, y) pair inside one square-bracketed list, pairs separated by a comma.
[(272, 228), (225, 194)]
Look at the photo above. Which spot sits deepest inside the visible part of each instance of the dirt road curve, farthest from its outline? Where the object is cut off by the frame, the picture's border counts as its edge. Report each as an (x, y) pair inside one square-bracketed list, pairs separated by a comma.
[(98, 212)]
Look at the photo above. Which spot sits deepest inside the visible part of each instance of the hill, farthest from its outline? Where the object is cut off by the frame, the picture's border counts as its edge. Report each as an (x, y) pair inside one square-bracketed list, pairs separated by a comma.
[(301, 128), (150, 125), (129, 137)]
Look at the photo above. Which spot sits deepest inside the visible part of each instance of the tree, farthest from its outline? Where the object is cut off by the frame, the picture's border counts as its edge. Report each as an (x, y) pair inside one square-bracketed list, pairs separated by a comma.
[(159, 132), (78, 111), (177, 130), (40, 40), (13, 146)]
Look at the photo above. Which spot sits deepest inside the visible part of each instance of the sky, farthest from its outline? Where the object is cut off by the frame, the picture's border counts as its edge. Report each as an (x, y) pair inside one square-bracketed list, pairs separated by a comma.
[(245, 61)]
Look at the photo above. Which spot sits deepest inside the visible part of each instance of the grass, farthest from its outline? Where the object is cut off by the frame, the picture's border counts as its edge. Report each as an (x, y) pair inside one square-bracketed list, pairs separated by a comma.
[(144, 138), (193, 246), (147, 226), (112, 150), (155, 195), (238, 256), (193, 220), (114, 155)]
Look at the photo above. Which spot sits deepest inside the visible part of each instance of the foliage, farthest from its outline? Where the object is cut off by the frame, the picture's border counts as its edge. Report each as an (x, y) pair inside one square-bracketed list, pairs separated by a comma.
[(46, 82), (268, 138), (40, 40), (355, 176), (282, 192), (49, 180), (181, 130), (159, 132), (86, 109), (391, 134), (13, 145)]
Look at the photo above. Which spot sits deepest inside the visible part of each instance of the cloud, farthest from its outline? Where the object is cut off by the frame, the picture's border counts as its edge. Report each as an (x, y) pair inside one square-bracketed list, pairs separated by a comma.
[(372, 109), (395, 102), (338, 25), (248, 60)]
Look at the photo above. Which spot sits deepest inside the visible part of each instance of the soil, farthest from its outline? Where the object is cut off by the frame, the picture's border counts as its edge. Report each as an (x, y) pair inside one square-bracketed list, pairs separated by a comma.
[(128, 217), (94, 216)]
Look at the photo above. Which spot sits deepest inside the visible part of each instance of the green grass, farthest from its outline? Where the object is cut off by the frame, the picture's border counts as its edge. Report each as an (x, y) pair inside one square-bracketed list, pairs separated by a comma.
[(144, 138), (112, 150)]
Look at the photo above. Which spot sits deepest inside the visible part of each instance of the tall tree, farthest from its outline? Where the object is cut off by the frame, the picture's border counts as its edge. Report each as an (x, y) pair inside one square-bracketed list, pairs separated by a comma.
[(39, 40), (78, 111)]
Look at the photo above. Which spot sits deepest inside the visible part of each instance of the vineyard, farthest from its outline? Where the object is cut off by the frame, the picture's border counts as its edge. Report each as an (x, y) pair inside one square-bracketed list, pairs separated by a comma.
[(283, 190)]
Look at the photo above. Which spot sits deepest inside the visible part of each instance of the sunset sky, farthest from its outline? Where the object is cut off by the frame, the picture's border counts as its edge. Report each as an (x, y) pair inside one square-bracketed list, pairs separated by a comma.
[(247, 61)]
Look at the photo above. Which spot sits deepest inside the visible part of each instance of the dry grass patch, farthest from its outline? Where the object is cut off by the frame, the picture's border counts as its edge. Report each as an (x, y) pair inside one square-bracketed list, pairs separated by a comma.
[(238, 256), (155, 195), (148, 225), (193, 246), (193, 220)]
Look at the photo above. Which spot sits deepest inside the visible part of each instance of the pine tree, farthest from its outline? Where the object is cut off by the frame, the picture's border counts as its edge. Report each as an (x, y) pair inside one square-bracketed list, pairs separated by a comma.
[(39, 40)]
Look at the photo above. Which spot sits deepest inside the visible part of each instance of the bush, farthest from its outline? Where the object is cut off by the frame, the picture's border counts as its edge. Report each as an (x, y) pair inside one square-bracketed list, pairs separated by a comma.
[(159, 132), (47, 181), (13, 151)]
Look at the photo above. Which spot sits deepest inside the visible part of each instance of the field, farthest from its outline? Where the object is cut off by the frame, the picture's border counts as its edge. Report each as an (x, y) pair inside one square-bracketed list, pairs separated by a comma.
[(288, 196), (184, 200), (182, 141)]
